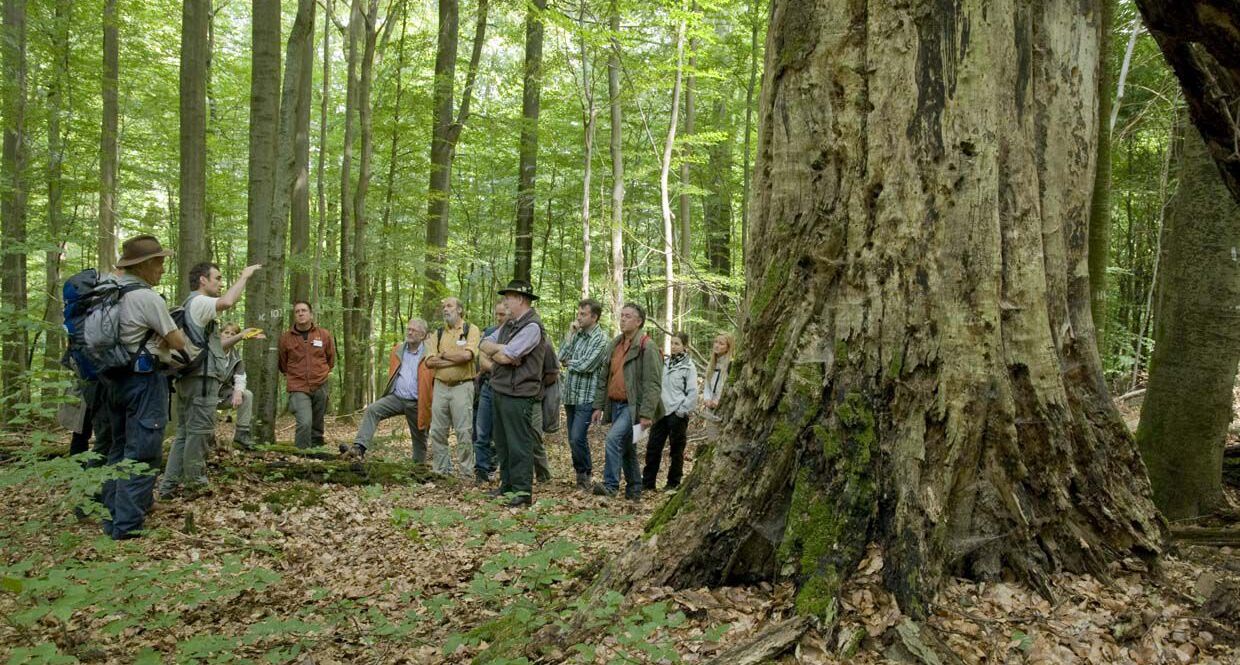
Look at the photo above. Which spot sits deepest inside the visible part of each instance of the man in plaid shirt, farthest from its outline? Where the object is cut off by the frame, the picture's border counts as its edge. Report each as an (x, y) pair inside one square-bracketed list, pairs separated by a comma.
[(581, 356)]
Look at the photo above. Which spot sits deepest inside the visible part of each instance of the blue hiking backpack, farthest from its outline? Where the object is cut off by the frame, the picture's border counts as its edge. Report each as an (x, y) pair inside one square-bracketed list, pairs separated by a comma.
[(90, 303)]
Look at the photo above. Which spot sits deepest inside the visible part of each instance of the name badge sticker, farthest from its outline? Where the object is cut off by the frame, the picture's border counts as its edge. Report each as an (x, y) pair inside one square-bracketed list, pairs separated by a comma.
[(460, 342), (318, 343)]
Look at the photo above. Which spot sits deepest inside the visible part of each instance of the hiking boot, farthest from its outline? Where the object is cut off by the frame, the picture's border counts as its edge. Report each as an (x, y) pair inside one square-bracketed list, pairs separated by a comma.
[(241, 438), (354, 452), (583, 482), (495, 493), (481, 477), (600, 489), (633, 495), (518, 501)]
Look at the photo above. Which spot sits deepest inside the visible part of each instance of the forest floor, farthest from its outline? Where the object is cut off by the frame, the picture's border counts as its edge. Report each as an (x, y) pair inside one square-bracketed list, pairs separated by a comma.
[(270, 567)]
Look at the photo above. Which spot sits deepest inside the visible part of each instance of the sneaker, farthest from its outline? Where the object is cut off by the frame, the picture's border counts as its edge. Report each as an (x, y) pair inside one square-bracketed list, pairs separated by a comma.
[(600, 489), (583, 482)]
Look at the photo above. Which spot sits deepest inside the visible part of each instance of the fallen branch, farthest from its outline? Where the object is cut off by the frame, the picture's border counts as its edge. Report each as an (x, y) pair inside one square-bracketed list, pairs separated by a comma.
[(1209, 536), (338, 472), (767, 645)]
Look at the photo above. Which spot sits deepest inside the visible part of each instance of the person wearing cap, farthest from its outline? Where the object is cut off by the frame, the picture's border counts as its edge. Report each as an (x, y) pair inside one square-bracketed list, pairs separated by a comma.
[(137, 394), (450, 353), (198, 392), (517, 351), (307, 354)]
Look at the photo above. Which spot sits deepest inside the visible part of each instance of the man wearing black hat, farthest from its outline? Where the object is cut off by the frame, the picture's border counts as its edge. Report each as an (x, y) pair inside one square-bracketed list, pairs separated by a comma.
[(517, 351), (137, 394)]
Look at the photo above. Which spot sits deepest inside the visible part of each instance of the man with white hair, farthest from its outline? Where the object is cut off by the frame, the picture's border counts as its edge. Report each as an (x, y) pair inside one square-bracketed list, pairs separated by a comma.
[(450, 353), (400, 397)]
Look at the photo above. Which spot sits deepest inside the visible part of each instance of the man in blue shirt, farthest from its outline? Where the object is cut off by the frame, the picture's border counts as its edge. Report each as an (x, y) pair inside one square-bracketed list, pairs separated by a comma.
[(401, 395)]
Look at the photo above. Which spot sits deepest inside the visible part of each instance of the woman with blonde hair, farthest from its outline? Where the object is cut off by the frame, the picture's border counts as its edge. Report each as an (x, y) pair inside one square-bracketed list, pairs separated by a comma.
[(716, 377)]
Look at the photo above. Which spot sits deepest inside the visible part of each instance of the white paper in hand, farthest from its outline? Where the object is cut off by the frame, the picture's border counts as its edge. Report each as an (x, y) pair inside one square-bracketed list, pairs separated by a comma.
[(640, 433)]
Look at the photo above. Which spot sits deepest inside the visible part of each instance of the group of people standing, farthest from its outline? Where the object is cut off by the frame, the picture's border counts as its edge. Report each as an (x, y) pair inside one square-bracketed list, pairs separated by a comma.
[(493, 388)]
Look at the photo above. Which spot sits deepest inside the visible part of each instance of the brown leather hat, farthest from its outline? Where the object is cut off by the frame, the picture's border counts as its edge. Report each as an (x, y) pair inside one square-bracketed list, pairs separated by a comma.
[(140, 248)]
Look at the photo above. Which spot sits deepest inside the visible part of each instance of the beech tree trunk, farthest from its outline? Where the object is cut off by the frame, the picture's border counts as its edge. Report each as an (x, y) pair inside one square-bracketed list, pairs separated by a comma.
[(1187, 406), (264, 133), (684, 208), (13, 192), (54, 308), (617, 165), (754, 18), (1201, 41), (192, 224), (108, 155), (445, 132), (918, 369), (589, 117), (717, 204), (353, 373), (669, 275), (321, 170), (1100, 203), (528, 166), (300, 59)]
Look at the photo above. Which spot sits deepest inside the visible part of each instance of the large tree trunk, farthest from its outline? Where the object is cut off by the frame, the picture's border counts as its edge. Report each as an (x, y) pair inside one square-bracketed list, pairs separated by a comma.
[(193, 248), (919, 369), (528, 167), (617, 164), (445, 132), (1187, 407), (717, 204), (13, 192), (108, 156), (300, 58), (321, 170), (1100, 203), (264, 133), (1201, 41)]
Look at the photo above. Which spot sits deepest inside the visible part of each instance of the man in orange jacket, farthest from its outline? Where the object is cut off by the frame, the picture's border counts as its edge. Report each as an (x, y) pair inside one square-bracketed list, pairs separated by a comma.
[(405, 365)]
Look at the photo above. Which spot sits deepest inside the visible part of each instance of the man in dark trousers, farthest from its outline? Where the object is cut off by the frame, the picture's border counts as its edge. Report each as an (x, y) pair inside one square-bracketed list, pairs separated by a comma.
[(518, 353), (307, 356)]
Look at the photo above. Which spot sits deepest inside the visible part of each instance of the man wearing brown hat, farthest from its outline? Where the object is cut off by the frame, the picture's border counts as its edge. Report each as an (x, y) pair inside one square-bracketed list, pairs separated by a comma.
[(517, 351), (137, 394)]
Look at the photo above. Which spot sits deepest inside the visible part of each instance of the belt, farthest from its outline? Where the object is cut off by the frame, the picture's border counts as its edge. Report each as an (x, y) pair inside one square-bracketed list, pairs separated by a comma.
[(453, 384)]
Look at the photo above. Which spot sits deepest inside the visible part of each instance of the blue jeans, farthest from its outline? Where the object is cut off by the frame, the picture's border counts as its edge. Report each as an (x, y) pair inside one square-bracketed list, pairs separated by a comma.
[(577, 422), (139, 413), (620, 453), (484, 448)]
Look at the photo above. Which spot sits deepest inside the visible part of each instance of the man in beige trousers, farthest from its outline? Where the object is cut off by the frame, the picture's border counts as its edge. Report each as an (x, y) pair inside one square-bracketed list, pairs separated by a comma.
[(450, 352)]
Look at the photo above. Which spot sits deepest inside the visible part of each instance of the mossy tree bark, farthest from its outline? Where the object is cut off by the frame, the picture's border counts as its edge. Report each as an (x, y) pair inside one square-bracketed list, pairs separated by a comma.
[(917, 365), (1187, 407)]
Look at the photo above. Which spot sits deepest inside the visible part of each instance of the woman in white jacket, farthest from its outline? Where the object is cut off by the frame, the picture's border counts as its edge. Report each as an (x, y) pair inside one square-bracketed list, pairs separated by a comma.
[(679, 400)]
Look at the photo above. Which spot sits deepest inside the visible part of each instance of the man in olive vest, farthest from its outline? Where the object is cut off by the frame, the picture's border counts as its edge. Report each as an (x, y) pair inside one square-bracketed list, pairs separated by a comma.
[(517, 351), (198, 391)]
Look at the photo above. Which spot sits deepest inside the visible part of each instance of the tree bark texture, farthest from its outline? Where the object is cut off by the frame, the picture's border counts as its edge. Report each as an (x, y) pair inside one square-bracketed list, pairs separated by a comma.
[(261, 187), (109, 158), (717, 204), (320, 182), (918, 367), (445, 132), (192, 226), (349, 401), (669, 273), (54, 310), (617, 162), (747, 174), (13, 193), (685, 203), (527, 170), (301, 61), (1201, 41), (1100, 203), (1187, 407)]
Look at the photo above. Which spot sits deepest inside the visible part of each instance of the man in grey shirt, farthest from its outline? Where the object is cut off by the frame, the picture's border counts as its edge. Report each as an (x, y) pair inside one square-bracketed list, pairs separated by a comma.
[(137, 394)]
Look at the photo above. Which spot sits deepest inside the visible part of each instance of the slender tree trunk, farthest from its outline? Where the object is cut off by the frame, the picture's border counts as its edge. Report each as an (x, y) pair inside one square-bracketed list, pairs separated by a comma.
[(686, 180), (589, 119), (669, 275), (617, 164), (349, 401), (390, 189), (918, 372), (1100, 204), (749, 94), (192, 224), (1187, 407), (13, 192), (445, 132), (528, 167), (264, 134), (108, 155), (717, 205), (320, 178), (300, 58), (54, 311)]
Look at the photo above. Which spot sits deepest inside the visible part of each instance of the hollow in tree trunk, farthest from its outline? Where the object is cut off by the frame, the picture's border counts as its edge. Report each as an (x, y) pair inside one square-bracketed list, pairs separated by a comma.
[(917, 366)]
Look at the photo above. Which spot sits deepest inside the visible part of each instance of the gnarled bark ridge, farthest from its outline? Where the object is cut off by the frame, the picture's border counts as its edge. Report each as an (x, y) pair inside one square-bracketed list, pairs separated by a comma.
[(917, 365)]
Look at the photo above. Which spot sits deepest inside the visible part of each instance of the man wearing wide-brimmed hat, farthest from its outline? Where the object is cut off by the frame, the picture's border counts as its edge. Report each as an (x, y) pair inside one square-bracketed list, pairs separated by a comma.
[(517, 351), (137, 394)]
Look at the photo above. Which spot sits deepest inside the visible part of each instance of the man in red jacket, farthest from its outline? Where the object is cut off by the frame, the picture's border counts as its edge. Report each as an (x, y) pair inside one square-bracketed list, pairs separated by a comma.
[(307, 356)]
